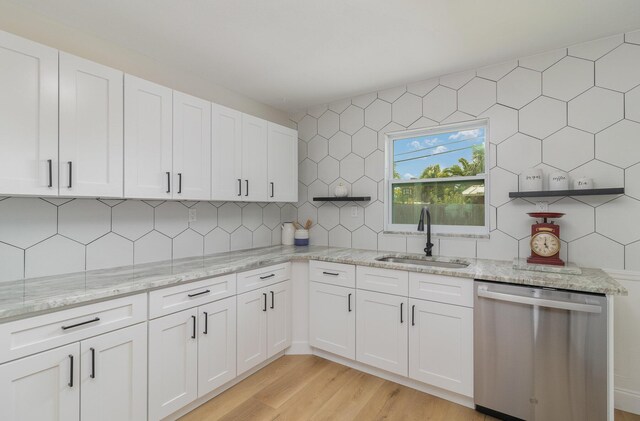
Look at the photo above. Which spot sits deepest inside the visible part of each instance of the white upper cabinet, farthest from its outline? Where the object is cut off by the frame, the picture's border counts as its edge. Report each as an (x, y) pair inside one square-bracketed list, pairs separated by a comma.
[(91, 128), (282, 164), (226, 168), (147, 139), (254, 159), (191, 147), (29, 110)]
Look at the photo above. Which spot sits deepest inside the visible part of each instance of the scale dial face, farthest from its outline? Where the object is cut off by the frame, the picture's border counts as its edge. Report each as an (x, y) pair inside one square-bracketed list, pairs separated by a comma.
[(545, 244)]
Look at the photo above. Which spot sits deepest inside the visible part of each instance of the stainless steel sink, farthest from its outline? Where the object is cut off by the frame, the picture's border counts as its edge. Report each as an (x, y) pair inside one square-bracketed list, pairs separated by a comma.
[(423, 262)]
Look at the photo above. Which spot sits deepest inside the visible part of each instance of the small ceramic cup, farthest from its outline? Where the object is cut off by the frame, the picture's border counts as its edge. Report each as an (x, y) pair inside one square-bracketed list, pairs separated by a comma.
[(559, 181), (531, 179), (583, 183)]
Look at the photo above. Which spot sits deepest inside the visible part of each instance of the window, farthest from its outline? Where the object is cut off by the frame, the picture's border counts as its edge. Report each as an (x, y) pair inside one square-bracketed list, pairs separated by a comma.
[(442, 167)]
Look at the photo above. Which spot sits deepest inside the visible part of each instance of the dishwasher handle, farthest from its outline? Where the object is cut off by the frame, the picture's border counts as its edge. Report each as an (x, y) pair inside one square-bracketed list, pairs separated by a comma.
[(484, 292)]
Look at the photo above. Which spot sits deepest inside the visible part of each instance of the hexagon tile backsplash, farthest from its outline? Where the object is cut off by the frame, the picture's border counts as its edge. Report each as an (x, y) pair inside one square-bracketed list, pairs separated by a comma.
[(576, 109)]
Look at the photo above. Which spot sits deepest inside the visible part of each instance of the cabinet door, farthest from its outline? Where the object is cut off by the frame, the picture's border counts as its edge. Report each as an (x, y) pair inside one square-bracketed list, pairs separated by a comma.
[(91, 129), (279, 318), (147, 139), (43, 387), (381, 326), (254, 159), (173, 363), (332, 319), (191, 147), (216, 345), (441, 345), (29, 110), (252, 329), (226, 154), (113, 375), (283, 164)]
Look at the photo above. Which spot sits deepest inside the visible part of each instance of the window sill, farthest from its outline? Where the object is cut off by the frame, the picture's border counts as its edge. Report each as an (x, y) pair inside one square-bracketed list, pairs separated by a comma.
[(438, 235)]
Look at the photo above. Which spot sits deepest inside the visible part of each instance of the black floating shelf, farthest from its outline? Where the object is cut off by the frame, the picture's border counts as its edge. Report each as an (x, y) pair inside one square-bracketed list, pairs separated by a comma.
[(550, 193), (343, 199)]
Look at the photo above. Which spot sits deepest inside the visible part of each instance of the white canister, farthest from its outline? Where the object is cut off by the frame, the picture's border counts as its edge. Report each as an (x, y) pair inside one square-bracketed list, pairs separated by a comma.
[(559, 181), (341, 190), (583, 183), (288, 231), (531, 180)]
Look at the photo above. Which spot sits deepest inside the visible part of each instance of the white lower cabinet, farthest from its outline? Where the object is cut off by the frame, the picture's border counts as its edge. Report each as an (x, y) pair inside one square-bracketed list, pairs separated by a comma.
[(279, 318), (441, 345), (332, 319), (381, 331)]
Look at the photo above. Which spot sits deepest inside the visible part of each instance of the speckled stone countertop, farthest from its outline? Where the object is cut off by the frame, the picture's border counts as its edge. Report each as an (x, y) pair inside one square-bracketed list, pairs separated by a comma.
[(23, 298)]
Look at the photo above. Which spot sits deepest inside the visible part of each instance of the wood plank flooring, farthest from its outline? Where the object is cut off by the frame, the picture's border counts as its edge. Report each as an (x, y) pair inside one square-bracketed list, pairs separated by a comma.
[(306, 387)]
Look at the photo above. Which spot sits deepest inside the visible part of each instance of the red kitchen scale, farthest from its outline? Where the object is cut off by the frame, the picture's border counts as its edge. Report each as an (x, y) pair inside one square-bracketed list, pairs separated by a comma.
[(545, 240)]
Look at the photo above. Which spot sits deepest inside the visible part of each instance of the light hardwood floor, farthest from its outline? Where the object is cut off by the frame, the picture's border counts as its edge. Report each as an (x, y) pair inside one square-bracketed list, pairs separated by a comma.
[(306, 387)]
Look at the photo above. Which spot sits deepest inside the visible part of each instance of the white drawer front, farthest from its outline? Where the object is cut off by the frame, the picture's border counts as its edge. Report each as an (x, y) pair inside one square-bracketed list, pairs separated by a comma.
[(181, 297), (35, 334), (383, 280), (332, 273), (258, 278), (441, 288)]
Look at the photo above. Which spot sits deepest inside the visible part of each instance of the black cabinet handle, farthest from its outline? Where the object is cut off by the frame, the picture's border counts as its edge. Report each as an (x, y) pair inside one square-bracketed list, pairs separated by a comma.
[(413, 315), (349, 300), (272, 300), (195, 294), (239, 187), (179, 183), (268, 276), (168, 182), (206, 322), (330, 273), (265, 301), (273, 189), (97, 319), (401, 308), (70, 371), (50, 164), (193, 335), (246, 193), (93, 363), (70, 164)]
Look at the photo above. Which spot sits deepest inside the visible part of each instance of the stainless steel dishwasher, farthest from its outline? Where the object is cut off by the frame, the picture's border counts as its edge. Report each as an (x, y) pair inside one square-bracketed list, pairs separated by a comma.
[(539, 354)]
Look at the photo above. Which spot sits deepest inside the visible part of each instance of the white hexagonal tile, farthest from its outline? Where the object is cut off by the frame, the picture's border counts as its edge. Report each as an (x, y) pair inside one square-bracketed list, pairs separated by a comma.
[(59, 201), (519, 152), (328, 124), (26, 221), (632, 37), (457, 117), (271, 215), (328, 215), (596, 251), (351, 222), (423, 87), (317, 110), (457, 80), (603, 174), (364, 238), (252, 216), (458, 247), (152, 247), (378, 114), (392, 94), (109, 251), (620, 69), (365, 187), (308, 171), (407, 109), (568, 148), (632, 181), (262, 237), (154, 203), (54, 256), (543, 61), (328, 169), (382, 134), (351, 119), (502, 182), (339, 237), (206, 218), (132, 219), (302, 150), (318, 236), (568, 78), (188, 244), (276, 236), (632, 256), (421, 123), (84, 220), (111, 202), (217, 241), (496, 72), (632, 104), (307, 211), (11, 263), (364, 100), (340, 145), (519, 87), (307, 128), (318, 148), (477, 96), (340, 105), (317, 189), (593, 50), (374, 166), (613, 220), (499, 246), (595, 109), (439, 103), (229, 217), (171, 218), (241, 239), (503, 122), (302, 194), (619, 144), (543, 117), (288, 213), (352, 168), (364, 142), (578, 220), (493, 155), (513, 218), (392, 242), (374, 216)]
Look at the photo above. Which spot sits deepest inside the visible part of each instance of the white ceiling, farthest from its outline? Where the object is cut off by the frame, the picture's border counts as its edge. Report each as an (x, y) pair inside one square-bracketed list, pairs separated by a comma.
[(295, 53)]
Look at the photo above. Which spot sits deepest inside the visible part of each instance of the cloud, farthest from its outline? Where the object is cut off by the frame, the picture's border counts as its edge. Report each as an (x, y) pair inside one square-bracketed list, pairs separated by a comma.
[(415, 144), (465, 134), (431, 142), (408, 176), (439, 149)]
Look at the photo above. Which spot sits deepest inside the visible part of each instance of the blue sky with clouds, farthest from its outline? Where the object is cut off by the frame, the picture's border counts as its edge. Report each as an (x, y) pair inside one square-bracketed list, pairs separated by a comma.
[(418, 153)]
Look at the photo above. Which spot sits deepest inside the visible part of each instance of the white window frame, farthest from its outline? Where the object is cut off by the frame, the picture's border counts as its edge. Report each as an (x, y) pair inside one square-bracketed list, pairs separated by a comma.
[(451, 230)]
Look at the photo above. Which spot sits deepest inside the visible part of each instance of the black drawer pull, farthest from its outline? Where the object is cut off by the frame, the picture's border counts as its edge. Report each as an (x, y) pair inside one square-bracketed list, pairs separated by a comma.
[(413, 315), (330, 273), (168, 182), (97, 319), (206, 323), (246, 193), (401, 308), (349, 299), (70, 371), (179, 183), (70, 174), (265, 301), (193, 335), (50, 165), (239, 187), (273, 189), (206, 291), (93, 363), (272, 300), (268, 276)]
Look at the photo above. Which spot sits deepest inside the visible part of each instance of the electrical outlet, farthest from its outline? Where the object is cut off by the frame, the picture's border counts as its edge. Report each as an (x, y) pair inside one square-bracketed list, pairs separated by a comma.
[(193, 217), (542, 206), (354, 211)]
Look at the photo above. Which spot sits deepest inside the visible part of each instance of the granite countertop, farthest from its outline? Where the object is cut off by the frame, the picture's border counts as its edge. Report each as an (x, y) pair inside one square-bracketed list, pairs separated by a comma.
[(27, 297)]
